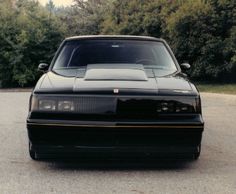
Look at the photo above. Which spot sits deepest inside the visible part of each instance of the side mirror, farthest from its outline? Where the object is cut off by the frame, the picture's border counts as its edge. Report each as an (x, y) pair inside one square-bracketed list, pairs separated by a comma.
[(185, 66), (43, 67)]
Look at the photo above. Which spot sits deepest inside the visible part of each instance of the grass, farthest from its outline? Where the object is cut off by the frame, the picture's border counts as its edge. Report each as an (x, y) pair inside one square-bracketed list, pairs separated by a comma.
[(218, 88)]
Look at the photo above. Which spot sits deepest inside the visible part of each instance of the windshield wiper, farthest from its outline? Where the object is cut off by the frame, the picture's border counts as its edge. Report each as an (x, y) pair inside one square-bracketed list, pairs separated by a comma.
[(153, 67)]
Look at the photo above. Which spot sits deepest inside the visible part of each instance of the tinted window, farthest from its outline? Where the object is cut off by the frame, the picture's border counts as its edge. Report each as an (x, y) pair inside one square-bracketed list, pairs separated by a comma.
[(77, 54)]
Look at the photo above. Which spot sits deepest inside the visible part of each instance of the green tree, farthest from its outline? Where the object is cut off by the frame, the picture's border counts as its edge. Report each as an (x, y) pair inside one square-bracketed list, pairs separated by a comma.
[(29, 35), (199, 33), (138, 17), (86, 17)]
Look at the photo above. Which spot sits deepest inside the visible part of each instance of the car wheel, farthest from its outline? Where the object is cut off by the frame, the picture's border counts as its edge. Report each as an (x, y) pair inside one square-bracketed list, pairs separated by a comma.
[(197, 154), (32, 152)]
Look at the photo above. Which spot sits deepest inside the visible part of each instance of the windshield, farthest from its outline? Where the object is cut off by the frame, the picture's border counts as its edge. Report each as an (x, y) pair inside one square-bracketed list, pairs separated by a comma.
[(152, 55)]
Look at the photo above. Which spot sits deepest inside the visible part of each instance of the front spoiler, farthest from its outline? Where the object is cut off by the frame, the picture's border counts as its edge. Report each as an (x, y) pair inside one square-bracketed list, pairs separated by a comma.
[(114, 153), (102, 140)]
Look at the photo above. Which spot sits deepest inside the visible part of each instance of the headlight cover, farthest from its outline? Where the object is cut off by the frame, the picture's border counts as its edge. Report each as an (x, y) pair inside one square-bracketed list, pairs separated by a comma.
[(179, 106), (66, 105), (47, 105), (52, 104)]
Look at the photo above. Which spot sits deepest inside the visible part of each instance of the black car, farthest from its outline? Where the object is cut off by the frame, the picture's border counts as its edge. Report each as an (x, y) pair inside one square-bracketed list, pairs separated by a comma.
[(114, 97)]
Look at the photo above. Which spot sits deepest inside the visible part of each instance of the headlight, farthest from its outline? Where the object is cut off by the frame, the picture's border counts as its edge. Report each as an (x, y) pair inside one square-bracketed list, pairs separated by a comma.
[(51, 104), (185, 106), (66, 106), (165, 107), (47, 105)]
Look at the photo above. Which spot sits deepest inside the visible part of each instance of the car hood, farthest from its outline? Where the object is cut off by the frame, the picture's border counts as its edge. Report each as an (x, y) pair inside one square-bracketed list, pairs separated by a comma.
[(131, 79)]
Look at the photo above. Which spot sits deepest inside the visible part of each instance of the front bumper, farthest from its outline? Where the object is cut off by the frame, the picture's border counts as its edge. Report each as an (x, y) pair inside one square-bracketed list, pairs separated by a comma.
[(130, 140)]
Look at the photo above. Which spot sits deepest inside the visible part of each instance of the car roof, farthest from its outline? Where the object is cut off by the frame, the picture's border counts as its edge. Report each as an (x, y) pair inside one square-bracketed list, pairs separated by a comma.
[(118, 37)]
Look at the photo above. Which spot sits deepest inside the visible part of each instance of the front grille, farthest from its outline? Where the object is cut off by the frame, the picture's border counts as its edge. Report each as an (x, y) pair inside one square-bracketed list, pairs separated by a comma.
[(136, 107), (115, 106), (96, 105)]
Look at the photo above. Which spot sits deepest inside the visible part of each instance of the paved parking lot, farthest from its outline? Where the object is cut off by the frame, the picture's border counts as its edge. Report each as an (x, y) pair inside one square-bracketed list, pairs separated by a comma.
[(214, 172)]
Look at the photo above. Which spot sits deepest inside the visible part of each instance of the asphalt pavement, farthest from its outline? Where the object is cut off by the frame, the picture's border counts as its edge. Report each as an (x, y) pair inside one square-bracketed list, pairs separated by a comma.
[(213, 173)]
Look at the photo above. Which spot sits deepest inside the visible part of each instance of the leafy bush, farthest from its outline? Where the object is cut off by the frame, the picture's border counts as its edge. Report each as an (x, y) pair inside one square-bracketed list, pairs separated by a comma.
[(27, 36), (201, 32)]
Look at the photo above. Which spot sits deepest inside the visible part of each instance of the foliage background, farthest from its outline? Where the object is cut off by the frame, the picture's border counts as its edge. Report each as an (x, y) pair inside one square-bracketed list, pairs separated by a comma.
[(201, 32)]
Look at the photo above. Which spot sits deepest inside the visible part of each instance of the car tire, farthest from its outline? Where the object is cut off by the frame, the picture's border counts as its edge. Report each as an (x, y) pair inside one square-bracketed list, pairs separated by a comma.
[(197, 154), (32, 153)]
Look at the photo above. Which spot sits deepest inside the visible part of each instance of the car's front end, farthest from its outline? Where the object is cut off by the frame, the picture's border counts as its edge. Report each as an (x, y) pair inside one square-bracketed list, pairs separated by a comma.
[(132, 113)]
